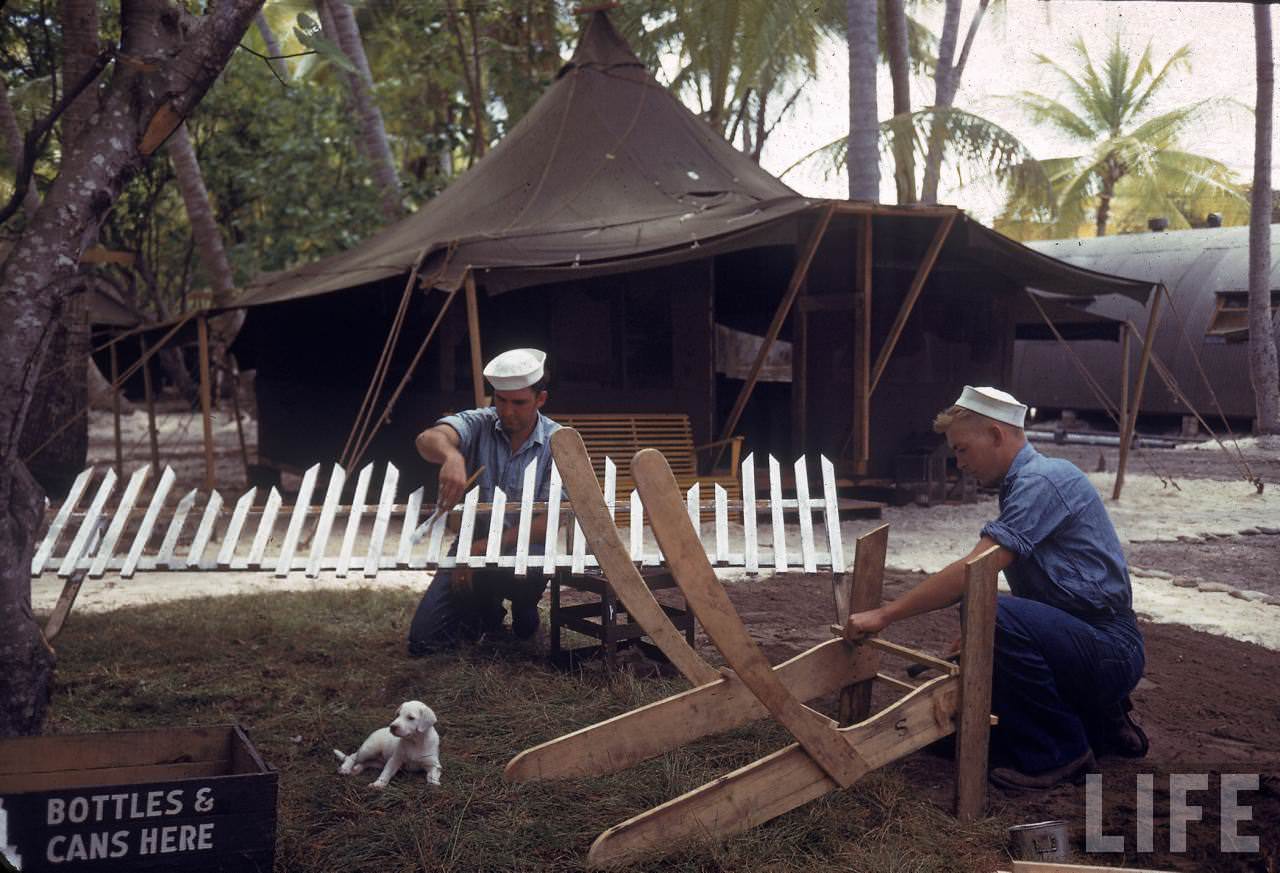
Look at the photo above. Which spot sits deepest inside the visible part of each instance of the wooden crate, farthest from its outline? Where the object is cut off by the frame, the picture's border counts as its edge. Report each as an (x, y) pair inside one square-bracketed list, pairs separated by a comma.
[(180, 799)]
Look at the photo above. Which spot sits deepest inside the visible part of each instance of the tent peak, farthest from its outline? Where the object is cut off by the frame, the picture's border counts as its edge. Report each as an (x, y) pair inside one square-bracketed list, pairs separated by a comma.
[(600, 45)]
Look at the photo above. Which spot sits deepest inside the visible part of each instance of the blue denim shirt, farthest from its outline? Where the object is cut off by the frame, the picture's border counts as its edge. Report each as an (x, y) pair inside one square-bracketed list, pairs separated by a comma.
[(1067, 552), (483, 441)]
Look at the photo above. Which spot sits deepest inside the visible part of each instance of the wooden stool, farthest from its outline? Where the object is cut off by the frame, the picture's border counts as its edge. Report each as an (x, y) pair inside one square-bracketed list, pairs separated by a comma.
[(599, 619)]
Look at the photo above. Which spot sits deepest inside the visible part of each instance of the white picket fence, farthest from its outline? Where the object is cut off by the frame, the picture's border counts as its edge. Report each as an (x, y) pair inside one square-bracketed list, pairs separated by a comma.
[(400, 539)]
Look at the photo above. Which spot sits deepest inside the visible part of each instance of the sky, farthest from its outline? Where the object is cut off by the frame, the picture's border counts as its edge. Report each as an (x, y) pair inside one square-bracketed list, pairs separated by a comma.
[(1003, 63)]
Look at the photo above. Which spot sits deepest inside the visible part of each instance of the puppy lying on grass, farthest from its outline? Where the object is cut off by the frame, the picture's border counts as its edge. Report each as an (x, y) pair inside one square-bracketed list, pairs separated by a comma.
[(410, 742)]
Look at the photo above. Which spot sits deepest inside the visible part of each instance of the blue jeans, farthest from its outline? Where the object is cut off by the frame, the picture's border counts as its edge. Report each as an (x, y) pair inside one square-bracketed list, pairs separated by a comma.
[(1056, 678), (445, 615)]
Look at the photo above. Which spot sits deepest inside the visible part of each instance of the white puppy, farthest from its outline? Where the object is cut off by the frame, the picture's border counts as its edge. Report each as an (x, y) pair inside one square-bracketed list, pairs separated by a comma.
[(410, 742)]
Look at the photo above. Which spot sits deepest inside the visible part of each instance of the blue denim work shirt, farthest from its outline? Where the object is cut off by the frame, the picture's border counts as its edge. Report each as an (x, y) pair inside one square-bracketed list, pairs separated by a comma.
[(1067, 552), (483, 441)]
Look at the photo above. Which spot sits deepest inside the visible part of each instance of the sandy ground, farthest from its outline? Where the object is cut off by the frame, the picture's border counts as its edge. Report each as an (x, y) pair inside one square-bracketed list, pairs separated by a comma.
[(1204, 544)]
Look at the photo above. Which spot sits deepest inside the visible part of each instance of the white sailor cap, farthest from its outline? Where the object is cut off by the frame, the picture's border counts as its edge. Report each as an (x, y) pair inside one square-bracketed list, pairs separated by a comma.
[(516, 369), (993, 403)]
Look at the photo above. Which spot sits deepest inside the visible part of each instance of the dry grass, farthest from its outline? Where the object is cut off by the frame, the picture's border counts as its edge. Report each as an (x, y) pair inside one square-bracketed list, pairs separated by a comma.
[(309, 672)]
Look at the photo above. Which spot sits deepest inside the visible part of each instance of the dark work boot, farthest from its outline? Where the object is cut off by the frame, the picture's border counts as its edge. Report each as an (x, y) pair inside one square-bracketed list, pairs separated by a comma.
[(1119, 734), (1072, 771)]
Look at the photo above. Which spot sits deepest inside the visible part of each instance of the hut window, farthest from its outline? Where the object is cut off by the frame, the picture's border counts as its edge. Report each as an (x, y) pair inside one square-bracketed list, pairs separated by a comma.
[(1230, 321)]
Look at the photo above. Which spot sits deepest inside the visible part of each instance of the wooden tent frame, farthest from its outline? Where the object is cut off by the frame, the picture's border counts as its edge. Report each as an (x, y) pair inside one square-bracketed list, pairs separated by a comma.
[(825, 756)]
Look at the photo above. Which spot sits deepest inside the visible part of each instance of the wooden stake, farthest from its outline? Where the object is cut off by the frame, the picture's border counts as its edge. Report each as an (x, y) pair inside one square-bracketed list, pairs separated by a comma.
[(977, 651), (202, 325), (913, 294), (235, 408), (152, 436), (115, 408), (862, 354), (473, 329), (1131, 423), (793, 288), (858, 591)]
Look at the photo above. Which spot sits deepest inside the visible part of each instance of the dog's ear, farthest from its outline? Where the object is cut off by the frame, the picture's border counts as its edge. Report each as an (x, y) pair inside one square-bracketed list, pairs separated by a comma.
[(426, 719)]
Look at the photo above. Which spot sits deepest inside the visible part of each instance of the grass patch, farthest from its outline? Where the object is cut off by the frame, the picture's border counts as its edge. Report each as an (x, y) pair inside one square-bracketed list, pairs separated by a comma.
[(308, 672)]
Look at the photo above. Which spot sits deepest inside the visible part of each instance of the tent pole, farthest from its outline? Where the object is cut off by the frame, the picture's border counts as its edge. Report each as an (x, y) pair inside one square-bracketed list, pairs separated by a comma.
[(115, 408), (1124, 374), (862, 352), (800, 374), (206, 412), (233, 376), (151, 406), (1131, 423), (913, 294), (793, 288), (473, 330)]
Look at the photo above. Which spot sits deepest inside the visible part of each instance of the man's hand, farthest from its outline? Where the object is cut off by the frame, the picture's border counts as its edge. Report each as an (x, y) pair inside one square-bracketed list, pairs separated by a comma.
[(863, 624), (453, 481)]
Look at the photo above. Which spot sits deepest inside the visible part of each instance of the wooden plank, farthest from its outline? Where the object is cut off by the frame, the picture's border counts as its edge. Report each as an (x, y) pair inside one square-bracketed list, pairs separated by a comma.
[(751, 547), (831, 506), (232, 537), (554, 498), (808, 556), (978, 622), (712, 708), (779, 529), (118, 521), (410, 523), (467, 529), (497, 515), (88, 526), (473, 333), (355, 516), (164, 558), (265, 524), (579, 545), (438, 528), (863, 295), (528, 485), (206, 401), (320, 541), (722, 524), (637, 528), (1048, 867), (294, 531), (709, 602), (204, 531), (947, 668), (858, 591), (777, 783), (606, 544), (45, 551), (381, 521), (61, 611)]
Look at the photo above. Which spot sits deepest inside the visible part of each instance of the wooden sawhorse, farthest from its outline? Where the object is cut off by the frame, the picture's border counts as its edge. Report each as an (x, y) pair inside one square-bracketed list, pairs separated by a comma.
[(599, 619)]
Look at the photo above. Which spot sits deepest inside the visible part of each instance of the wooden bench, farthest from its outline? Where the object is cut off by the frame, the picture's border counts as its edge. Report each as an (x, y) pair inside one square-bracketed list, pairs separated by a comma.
[(620, 435)]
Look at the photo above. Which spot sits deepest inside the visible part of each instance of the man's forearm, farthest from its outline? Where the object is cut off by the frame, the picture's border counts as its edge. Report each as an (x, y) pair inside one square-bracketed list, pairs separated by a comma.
[(940, 590), (435, 447)]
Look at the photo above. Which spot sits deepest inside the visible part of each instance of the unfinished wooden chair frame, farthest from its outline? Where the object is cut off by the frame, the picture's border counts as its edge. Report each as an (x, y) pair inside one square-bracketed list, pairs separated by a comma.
[(826, 756)]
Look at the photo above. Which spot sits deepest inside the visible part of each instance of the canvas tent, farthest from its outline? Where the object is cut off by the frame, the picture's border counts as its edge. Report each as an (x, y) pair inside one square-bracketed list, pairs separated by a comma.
[(618, 230)]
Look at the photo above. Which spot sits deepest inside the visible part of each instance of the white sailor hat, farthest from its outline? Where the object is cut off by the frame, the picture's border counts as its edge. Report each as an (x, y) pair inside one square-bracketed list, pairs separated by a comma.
[(516, 369), (993, 403)]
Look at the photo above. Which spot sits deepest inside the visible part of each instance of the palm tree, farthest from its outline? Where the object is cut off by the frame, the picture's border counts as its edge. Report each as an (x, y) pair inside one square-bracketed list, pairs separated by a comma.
[(1133, 167), (1262, 328), (864, 162)]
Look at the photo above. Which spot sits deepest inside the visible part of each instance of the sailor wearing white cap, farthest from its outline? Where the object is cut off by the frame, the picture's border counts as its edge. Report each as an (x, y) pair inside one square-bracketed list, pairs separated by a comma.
[(1067, 647), (498, 442)]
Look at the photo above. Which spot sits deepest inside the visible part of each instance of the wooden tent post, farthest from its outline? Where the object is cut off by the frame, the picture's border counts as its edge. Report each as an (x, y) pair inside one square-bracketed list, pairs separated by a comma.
[(1124, 374), (779, 316), (862, 353), (1131, 423), (235, 408), (152, 436), (859, 591), (977, 650), (115, 407), (913, 294), (206, 412), (473, 329)]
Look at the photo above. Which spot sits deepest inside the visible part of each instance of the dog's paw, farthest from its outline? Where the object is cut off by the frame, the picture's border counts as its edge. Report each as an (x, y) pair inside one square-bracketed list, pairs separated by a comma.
[(377, 785)]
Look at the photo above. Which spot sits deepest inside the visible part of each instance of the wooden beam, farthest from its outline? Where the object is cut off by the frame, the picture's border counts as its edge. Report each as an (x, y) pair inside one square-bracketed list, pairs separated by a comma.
[(861, 590), (150, 397), (915, 210), (977, 652), (862, 353), (779, 316), (913, 294), (473, 330), (800, 375), (1124, 374), (1131, 423), (116, 388), (206, 402)]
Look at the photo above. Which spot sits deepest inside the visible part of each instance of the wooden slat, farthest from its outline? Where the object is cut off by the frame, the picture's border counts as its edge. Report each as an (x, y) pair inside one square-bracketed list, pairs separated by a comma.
[(978, 621), (381, 521), (353, 520), (165, 556), (830, 500), (637, 527), (204, 531), (45, 550), (411, 512), (528, 485), (722, 524), (337, 478), (467, 529), (553, 521), (232, 537), (859, 591), (779, 529), (438, 529), (808, 556), (118, 521), (751, 546), (148, 522), (497, 516), (79, 543), (265, 524), (285, 562)]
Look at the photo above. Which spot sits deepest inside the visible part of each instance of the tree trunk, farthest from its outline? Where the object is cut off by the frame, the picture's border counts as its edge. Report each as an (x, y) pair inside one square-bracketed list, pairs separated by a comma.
[(944, 90), (863, 159), (1262, 339), (899, 57), (471, 78), (373, 133), (12, 133), (269, 40), (139, 108), (204, 226)]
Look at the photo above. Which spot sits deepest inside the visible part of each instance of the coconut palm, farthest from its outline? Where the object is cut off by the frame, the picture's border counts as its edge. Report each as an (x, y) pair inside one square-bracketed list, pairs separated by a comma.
[(1133, 167), (1262, 327), (864, 163)]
